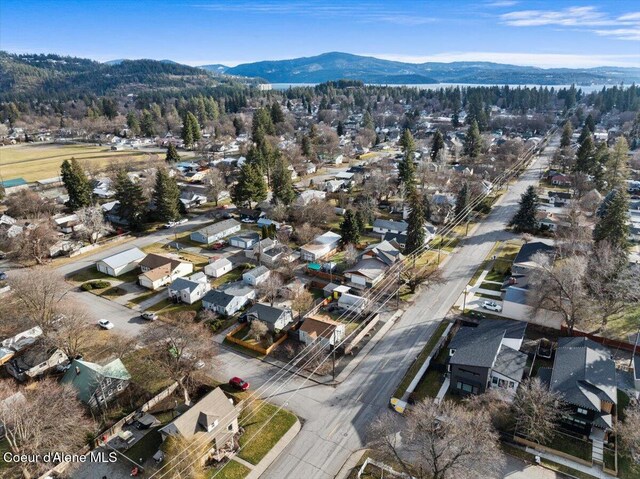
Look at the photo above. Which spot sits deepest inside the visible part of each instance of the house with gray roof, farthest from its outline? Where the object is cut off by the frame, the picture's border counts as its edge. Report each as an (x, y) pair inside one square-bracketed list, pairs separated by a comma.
[(584, 375), (487, 356), (229, 299), (382, 226), (213, 419), (216, 232), (191, 289), (97, 385), (275, 318)]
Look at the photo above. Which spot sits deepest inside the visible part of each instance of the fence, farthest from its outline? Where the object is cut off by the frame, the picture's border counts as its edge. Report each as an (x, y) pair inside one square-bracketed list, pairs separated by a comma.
[(614, 343), (91, 247), (535, 445), (360, 336), (383, 467), (258, 349)]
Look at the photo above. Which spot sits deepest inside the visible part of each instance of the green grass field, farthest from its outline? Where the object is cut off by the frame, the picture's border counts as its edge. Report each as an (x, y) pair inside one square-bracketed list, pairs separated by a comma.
[(39, 161)]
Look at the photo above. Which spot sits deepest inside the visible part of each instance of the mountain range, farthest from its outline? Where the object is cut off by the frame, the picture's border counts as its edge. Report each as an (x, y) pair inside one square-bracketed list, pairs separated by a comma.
[(337, 65)]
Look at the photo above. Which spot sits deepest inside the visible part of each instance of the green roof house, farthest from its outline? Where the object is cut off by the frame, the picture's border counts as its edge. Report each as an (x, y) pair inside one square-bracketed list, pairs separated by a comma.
[(96, 384)]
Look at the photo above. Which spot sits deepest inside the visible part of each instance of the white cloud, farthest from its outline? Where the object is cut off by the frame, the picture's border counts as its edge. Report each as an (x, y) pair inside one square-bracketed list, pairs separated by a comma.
[(503, 3), (621, 33), (542, 60)]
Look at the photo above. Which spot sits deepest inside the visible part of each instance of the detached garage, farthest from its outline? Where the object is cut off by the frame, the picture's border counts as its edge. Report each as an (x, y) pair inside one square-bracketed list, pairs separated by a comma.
[(121, 263)]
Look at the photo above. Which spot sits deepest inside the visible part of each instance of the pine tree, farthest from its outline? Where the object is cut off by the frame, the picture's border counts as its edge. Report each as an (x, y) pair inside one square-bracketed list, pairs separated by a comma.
[(147, 125), (415, 231), (77, 184), (277, 115), (585, 156), (600, 161), (617, 164), (340, 128), (349, 228), (406, 167), (172, 154), (584, 133), (612, 225), (567, 133), (130, 195), (166, 196), (361, 222), (262, 120), (250, 186), (524, 221), (473, 141), (133, 123), (437, 145), (462, 200), (282, 185), (590, 123), (187, 132), (367, 121)]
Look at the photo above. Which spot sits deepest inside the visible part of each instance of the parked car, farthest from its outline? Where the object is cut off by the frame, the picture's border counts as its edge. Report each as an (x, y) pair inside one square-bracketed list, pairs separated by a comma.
[(218, 245), (545, 348), (239, 384), (105, 324), (492, 306), (182, 221), (3, 275), (150, 316), (247, 220), (168, 225)]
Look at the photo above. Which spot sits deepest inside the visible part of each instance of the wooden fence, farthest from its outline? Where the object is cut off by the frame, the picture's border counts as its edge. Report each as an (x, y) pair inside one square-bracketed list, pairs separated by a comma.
[(613, 343), (253, 347), (361, 335), (535, 445)]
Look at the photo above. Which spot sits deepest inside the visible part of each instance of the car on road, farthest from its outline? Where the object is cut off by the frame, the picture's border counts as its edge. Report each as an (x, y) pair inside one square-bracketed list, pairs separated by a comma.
[(492, 306), (105, 324), (247, 220), (149, 316), (239, 384), (182, 221)]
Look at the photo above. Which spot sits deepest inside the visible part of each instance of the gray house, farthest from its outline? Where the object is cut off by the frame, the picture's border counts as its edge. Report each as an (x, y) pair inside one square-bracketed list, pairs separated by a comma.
[(487, 355), (216, 232), (275, 318)]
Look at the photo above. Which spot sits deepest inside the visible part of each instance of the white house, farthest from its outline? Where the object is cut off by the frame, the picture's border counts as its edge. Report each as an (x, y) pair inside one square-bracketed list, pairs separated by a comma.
[(230, 299), (276, 319), (191, 289), (373, 264), (256, 275), (307, 196), (158, 270), (320, 247), (215, 232), (121, 263), (244, 241), (323, 330), (352, 303), (382, 226), (332, 186), (218, 267)]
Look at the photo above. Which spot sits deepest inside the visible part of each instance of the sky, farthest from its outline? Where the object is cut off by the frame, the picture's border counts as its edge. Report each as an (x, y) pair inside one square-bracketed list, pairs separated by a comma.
[(541, 33)]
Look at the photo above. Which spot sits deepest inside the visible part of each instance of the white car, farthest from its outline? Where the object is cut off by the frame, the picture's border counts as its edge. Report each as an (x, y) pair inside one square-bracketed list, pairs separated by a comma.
[(148, 315), (247, 220), (182, 221), (105, 324), (492, 306)]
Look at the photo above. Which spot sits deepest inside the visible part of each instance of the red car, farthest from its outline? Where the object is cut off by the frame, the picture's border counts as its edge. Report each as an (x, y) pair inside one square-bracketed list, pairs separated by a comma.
[(238, 383), (217, 246)]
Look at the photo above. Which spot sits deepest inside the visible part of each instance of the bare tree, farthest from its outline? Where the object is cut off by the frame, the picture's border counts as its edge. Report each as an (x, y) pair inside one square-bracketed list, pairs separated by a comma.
[(496, 403), (179, 350), (575, 237), (35, 242), (271, 287), (628, 432), (302, 302), (92, 219), (560, 287), (39, 292), (427, 276), (440, 441), (350, 254), (41, 418), (258, 329), (536, 410), (613, 284), (215, 184), (29, 204), (306, 233), (70, 330)]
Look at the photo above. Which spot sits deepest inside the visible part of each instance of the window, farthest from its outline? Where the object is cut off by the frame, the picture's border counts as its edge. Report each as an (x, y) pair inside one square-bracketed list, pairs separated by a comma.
[(582, 411), (466, 387), (120, 386), (512, 384), (494, 380)]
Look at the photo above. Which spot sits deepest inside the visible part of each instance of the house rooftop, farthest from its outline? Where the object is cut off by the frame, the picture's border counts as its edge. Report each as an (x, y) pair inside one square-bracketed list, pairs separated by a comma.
[(84, 376), (391, 224), (319, 327), (153, 261), (528, 250), (218, 227), (219, 298), (124, 258), (266, 313)]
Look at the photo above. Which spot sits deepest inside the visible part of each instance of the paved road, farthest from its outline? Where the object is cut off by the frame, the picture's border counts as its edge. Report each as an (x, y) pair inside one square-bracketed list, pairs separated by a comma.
[(337, 419)]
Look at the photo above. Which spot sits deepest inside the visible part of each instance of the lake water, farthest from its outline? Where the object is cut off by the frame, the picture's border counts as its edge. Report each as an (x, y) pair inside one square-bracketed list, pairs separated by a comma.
[(435, 86)]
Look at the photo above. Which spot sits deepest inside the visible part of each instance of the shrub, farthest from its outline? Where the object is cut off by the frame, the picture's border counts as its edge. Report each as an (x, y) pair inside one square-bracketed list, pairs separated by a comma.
[(91, 285)]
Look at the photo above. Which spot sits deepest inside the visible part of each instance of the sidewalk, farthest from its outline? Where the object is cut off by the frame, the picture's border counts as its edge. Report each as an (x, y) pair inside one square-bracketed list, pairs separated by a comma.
[(594, 471), (258, 469)]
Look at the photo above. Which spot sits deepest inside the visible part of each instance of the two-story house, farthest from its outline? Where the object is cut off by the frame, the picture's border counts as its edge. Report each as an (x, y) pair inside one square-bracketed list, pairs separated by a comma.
[(97, 385)]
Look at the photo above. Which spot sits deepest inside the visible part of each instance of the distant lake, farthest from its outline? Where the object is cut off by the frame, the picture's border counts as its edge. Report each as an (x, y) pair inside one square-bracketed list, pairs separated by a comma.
[(435, 86)]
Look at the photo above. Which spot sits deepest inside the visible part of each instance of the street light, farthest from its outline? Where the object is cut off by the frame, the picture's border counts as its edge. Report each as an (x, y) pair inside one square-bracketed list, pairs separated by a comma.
[(464, 301)]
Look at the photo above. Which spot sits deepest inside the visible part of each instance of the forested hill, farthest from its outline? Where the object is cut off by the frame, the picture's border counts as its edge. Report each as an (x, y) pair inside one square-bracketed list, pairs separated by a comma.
[(337, 65), (45, 76)]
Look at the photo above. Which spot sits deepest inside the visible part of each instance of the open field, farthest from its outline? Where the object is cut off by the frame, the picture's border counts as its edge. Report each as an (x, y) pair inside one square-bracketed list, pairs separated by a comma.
[(40, 161)]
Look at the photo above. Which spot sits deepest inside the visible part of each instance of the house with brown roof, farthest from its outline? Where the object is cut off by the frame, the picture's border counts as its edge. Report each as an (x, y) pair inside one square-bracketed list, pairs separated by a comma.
[(323, 330), (213, 419), (158, 270)]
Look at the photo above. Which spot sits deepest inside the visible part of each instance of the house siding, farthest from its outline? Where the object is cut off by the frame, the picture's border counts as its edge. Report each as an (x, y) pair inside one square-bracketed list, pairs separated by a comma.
[(473, 376)]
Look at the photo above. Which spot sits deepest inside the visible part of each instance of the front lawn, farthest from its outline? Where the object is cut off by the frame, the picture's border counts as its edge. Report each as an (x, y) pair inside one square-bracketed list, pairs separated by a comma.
[(231, 470), (143, 297), (262, 431), (168, 307), (230, 277), (91, 273), (143, 374)]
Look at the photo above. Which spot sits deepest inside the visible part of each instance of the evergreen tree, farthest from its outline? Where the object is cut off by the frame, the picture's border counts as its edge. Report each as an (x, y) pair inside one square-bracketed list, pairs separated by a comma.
[(307, 146), (437, 145), (426, 205), (590, 123), (262, 120), (361, 222), (264, 232), (524, 221), (282, 185), (585, 156), (340, 128), (190, 130), (77, 184), (147, 125), (567, 133), (617, 164), (133, 205), (584, 133), (250, 186), (406, 167), (349, 228), (172, 154), (612, 225), (415, 231), (462, 200), (600, 161), (367, 121), (473, 141), (166, 196), (133, 123), (277, 115)]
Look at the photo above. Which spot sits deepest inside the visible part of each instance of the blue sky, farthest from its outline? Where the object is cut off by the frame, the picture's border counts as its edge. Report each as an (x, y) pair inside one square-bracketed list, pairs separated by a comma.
[(535, 32)]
